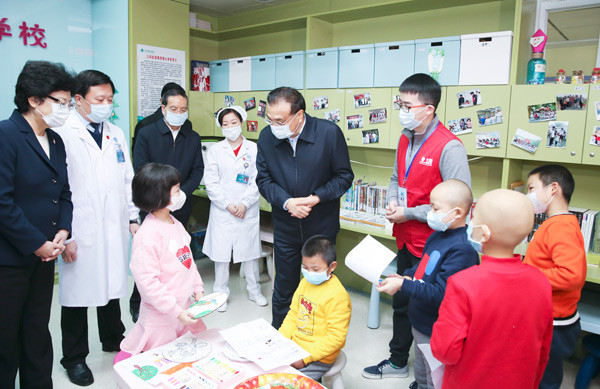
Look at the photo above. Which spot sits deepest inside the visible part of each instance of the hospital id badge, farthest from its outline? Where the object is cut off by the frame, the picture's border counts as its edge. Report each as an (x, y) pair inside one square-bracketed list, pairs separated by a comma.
[(120, 156), (244, 179), (402, 202)]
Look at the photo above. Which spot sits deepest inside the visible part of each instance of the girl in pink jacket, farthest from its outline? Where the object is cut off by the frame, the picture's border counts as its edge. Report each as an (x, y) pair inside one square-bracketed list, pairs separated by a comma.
[(161, 264)]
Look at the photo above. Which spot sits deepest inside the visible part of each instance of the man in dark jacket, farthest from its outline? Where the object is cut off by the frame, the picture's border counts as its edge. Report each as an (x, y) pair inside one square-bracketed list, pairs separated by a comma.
[(157, 115), (303, 170), (170, 141)]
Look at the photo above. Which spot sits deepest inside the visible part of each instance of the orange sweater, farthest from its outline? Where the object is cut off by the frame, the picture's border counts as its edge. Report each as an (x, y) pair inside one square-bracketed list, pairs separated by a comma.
[(557, 250)]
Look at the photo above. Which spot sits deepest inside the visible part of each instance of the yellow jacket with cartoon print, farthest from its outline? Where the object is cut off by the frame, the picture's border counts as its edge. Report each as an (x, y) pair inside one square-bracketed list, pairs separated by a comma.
[(318, 319)]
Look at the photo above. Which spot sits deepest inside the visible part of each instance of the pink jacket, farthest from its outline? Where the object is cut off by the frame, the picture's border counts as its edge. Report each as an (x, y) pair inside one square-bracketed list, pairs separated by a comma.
[(165, 273)]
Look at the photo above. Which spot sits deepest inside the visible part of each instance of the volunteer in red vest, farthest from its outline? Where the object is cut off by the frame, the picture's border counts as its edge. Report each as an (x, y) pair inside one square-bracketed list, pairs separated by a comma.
[(428, 153)]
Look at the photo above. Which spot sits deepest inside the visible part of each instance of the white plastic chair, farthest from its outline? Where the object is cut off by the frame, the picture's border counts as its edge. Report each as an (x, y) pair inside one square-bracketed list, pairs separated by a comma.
[(333, 378)]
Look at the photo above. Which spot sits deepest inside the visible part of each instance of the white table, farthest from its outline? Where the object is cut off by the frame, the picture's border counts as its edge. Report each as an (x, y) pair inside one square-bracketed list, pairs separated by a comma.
[(127, 380)]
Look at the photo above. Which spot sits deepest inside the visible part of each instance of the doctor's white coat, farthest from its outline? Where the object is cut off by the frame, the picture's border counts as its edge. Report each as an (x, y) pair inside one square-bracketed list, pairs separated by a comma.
[(100, 183), (226, 232)]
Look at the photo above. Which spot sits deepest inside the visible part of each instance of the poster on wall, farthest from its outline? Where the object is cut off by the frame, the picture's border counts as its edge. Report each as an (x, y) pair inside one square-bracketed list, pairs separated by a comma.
[(156, 66)]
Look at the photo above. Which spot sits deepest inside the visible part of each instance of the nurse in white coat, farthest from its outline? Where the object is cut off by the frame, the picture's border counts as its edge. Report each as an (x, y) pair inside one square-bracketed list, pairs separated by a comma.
[(233, 225), (93, 272)]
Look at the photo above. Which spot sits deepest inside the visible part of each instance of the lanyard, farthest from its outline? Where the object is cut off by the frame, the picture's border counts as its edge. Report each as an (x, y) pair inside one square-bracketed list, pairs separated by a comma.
[(415, 156)]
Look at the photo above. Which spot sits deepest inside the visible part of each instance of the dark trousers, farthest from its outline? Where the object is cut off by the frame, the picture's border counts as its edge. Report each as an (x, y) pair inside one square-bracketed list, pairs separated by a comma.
[(183, 215), (564, 340), (288, 261), (74, 326), (25, 342), (402, 337)]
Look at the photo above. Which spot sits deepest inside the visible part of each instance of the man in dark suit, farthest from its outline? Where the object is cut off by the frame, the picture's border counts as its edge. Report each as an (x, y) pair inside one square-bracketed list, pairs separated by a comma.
[(303, 170), (170, 140), (157, 115)]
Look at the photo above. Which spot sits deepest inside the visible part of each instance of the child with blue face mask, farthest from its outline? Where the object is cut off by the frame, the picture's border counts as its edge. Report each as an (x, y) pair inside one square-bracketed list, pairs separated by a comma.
[(446, 252), (319, 315)]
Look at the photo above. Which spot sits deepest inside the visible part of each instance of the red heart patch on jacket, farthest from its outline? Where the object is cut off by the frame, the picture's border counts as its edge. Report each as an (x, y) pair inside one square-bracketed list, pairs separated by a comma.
[(185, 256)]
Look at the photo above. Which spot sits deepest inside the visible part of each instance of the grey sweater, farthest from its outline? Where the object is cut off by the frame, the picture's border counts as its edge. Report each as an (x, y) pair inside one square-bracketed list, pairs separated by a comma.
[(453, 164)]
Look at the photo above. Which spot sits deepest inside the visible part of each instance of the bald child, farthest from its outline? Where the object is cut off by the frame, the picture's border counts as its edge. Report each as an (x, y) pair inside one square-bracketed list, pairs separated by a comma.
[(446, 252), (495, 323)]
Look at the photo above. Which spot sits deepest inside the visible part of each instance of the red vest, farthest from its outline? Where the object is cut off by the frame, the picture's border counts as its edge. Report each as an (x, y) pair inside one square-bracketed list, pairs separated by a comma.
[(423, 176)]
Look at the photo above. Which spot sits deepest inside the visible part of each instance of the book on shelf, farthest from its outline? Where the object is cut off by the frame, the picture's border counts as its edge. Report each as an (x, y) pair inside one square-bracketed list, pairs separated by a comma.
[(365, 203)]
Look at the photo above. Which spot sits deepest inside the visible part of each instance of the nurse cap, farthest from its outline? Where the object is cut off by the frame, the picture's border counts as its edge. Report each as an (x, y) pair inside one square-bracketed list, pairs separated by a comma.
[(236, 108)]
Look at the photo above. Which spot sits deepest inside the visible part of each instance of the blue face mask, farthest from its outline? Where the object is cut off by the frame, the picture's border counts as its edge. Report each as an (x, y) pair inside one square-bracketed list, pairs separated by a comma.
[(316, 278), (477, 246), (435, 220)]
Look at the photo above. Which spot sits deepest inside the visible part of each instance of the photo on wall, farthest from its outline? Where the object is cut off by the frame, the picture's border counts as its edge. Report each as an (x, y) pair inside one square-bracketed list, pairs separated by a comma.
[(487, 140), (377, 115), (489, 116), (469, 98), (370, 136), (262, 107), (572, 101), (229, 101), (333, 115), (597, 109), (557, 134), (460, 126), (354, 121), (320, 102), (362, 100), (526, 141), (250, 103), (200, 71), (541, 112), (252, 125), (396, 102), (595, 140)]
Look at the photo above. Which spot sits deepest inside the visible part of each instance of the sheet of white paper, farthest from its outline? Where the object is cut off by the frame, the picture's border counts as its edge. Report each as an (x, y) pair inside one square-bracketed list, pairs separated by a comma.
[(436, 367), (369, 259), (259, 342)]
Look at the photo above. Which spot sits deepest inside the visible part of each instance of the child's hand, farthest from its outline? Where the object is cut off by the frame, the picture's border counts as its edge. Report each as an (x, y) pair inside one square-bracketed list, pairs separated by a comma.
[(187, 318), (298, 364), (198, 295), (390, 285)]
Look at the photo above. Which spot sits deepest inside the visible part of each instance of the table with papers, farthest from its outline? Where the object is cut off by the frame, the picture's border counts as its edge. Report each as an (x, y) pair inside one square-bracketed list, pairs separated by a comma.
[(150, 370)]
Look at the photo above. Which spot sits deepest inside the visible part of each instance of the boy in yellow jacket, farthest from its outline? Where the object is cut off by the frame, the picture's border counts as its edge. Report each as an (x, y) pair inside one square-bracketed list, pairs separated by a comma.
[(319, 315)]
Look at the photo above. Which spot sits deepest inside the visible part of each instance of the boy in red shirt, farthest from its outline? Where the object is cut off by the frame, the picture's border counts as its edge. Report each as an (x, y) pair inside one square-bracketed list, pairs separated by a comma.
[(495, 323), (557, 250)]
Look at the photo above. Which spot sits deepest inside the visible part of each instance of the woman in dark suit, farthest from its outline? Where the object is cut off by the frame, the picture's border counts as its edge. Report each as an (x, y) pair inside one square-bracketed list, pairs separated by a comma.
[(35, 220)]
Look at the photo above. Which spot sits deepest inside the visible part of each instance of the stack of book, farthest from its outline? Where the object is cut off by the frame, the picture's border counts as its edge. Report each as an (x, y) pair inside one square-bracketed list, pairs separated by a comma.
[(365, 203), (588, 221)]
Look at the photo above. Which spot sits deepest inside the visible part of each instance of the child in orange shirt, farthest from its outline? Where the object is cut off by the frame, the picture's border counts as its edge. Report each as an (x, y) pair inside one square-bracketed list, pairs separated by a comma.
[(557, 250)]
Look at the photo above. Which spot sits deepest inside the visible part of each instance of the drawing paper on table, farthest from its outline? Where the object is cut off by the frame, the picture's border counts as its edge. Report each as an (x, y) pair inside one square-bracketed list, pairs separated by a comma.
[(436, 367), (369, 259), (259, 342)]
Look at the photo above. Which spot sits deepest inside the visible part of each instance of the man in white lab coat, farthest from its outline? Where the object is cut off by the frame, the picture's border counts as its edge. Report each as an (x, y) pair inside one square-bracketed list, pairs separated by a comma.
[(93, 271)]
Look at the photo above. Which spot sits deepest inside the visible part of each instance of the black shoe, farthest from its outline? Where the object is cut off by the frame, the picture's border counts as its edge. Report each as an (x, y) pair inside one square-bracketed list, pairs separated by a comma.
[(111, 348), (80, 374), (413, 385), (135, 314)]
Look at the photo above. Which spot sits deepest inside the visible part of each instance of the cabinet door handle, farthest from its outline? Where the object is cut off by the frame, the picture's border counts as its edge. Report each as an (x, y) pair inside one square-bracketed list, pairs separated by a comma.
[(592, 155), (573, 153)]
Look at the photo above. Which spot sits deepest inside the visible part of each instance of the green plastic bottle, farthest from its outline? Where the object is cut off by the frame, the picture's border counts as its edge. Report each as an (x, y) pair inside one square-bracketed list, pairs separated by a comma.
[(536, 69)]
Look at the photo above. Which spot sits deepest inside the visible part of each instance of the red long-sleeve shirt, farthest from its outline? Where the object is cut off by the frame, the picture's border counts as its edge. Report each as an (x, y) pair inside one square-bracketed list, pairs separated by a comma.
[(495, 326)]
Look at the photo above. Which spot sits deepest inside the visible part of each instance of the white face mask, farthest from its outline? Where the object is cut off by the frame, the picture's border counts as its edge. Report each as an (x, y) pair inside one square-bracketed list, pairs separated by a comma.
[(435, 220), (57, 117), (284, 131), (176, 119), (407, 119), (232, 133), (538, 205), (177, 201), (100, 112)]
